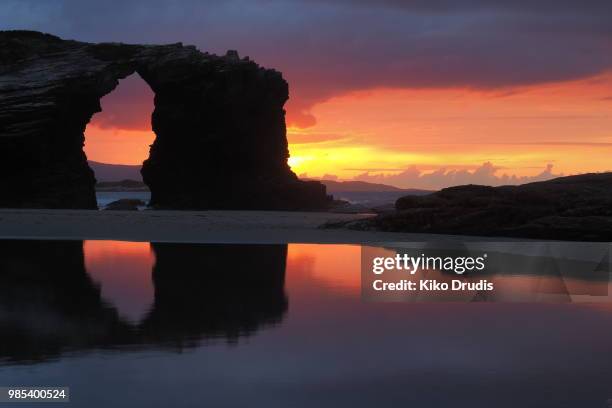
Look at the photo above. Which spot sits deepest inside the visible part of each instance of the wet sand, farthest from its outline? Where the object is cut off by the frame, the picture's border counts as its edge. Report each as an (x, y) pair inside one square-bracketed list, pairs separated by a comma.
[(192, 226)]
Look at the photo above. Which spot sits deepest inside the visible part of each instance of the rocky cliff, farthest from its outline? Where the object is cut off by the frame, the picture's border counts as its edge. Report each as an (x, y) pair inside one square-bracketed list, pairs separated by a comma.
[(219, 121), (567, 208)]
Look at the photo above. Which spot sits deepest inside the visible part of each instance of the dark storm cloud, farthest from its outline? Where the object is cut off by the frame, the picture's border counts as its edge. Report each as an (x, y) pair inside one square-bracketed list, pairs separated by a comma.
[(326, 48)]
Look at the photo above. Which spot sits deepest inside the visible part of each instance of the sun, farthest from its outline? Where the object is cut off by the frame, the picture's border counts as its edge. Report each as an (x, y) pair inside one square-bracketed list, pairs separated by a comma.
[(295, 161)]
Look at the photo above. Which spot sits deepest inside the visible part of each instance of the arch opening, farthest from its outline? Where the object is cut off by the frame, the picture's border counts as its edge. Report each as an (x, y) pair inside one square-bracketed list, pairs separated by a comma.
[(117, 141)]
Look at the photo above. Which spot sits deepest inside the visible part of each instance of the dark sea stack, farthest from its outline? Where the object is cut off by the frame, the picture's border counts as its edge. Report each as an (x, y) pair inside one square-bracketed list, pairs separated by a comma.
[(220, 125), (567, 208)]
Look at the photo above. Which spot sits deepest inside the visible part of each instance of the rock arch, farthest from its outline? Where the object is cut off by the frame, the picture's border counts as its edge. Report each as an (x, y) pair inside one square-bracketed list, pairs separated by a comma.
[(219, 123)]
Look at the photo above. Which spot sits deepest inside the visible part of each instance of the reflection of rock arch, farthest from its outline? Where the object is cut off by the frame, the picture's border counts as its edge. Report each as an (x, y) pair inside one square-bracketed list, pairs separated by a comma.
[(219, 124), (49, 305), (215, 290)]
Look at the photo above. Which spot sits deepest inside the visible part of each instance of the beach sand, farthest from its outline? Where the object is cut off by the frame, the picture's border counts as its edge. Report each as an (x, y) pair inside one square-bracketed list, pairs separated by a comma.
[(192, 226)]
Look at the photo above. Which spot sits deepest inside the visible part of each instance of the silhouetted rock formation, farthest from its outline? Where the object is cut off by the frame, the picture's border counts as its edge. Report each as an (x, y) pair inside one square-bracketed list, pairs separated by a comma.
[(220, 125), (215, 290), (570, 208), (50, 305)]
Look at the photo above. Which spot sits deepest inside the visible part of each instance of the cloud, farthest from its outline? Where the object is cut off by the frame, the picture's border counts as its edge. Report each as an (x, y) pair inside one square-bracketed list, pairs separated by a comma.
[(446, 6), (327, 48), (300, 117), (486, 174), (307, 137)]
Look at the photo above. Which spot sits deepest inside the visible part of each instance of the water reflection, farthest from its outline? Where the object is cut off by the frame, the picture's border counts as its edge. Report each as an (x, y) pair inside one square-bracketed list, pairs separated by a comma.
[(215, 290), (122, 270), (50, 304), (555, 272), (75, 312)]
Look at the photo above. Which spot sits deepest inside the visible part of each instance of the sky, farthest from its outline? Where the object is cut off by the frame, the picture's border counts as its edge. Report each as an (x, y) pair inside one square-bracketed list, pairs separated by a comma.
[(411, 93)]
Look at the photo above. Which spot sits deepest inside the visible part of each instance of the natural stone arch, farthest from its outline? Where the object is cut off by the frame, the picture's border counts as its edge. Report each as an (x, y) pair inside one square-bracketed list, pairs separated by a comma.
[(219, 125)]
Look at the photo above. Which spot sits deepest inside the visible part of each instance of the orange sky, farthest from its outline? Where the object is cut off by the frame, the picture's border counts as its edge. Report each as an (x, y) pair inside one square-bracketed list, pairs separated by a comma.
[(383, 131), (123, 269)]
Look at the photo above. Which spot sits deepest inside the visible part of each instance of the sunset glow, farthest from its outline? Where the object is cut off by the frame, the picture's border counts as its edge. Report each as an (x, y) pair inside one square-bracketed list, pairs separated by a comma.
[(380, 132), (520, 130), (117, 146), (407, 90), (126, 269)]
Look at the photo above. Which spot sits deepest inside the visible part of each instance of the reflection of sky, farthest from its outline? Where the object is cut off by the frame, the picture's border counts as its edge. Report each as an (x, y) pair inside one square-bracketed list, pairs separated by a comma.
[(334, 350), (123, 271)]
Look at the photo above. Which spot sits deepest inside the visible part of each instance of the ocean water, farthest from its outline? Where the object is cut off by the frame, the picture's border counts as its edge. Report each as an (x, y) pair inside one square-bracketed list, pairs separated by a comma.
[(106, 197), (370, 199), (366, 199), (138, 324)]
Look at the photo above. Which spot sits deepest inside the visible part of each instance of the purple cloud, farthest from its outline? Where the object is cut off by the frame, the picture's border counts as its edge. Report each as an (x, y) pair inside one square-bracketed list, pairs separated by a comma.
[(486, 174), (327, 48)]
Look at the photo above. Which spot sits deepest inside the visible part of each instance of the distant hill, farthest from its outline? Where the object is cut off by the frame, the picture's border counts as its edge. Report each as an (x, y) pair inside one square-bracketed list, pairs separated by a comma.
[(115, 172), (118, 172), (334, 186), (123, 185)]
